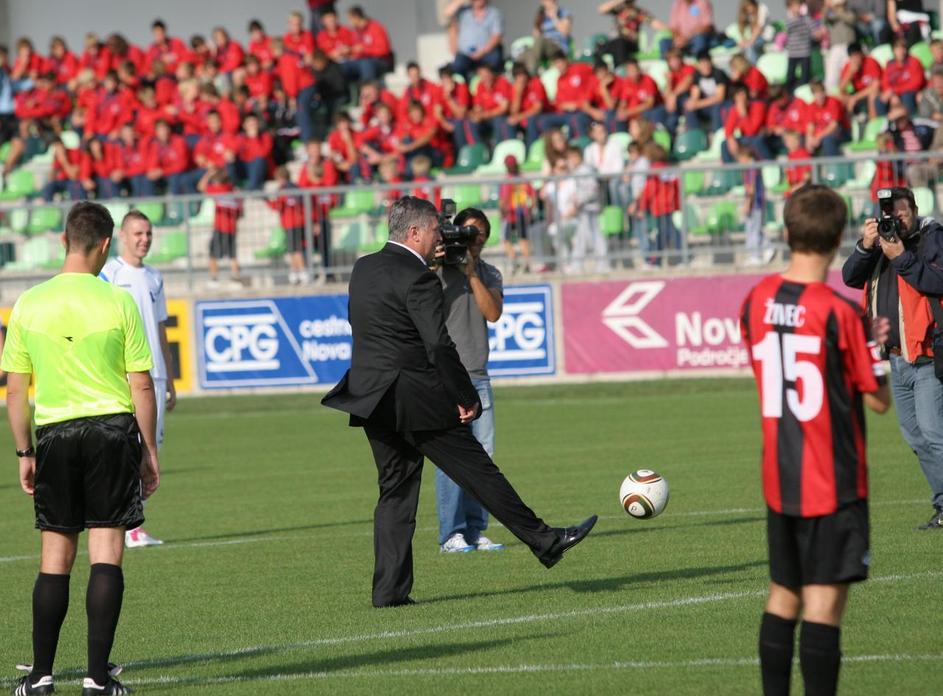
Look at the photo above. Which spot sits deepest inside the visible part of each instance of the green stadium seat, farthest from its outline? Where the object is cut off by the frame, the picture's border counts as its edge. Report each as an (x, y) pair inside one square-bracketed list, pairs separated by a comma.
[(612, 220), (467, 196), (470, 157), (772, 176), (118, 211), (733, 32), (712, 153), (693, 181), (549, 79), (649, 44), (804, 92), (662, 137), (581, 142), (921, 51), (773, 65), (591, 43), (19, 220), (70, 139), (817, 70), (688, 143), (502, 150), (871, 131), (171, 245), (723, 217), (497, 228), (19, 184), (926, 201), (276, 247), (45, 219), (882, 53), (381, 233), (154, 212), (862, 179), (836, 174), (519, 45), (720, 181), (356, 203), (622, 138), (34, 254), (691, 218), (658, 70), (4, 151), (535, 156)]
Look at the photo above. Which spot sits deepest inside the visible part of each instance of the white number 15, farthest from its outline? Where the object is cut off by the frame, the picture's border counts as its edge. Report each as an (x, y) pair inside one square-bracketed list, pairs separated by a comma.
[(780, 362)]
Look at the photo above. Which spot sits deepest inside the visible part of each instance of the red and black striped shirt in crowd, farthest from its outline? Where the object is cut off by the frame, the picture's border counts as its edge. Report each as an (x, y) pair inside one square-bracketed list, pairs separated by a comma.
[(812, 363)]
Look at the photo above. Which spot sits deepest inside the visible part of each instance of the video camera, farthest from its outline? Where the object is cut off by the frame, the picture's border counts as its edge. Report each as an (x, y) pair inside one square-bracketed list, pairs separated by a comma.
[(889, 227), (455, 240)]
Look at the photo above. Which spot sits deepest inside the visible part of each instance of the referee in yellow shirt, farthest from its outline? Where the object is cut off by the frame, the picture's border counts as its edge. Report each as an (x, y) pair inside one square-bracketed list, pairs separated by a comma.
[(95, 460)]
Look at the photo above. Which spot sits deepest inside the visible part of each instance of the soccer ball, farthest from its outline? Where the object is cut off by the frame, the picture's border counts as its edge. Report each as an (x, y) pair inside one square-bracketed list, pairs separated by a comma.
[(644, 494)]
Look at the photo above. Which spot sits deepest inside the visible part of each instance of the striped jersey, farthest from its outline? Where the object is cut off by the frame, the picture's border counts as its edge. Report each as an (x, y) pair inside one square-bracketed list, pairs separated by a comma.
[(812, 362)]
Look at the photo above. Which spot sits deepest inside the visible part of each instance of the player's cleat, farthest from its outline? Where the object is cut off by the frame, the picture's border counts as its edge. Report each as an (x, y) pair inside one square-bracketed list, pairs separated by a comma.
[(457, 544), (136, 538), (25, 688), (112, 687), (935, 522), (485, 544), (113, 669)]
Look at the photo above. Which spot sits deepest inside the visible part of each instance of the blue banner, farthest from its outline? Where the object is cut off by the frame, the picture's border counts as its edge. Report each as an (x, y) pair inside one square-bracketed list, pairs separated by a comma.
[(273, 342), (522, 341)]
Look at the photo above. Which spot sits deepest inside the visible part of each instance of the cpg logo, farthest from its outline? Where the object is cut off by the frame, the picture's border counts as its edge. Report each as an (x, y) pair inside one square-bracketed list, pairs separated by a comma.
[(241, 342), (521, 341)]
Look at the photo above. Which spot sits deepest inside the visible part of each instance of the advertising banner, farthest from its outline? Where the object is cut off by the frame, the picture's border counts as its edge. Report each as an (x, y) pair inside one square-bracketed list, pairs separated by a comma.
[(522, 341), (657, 325), (273, 342)]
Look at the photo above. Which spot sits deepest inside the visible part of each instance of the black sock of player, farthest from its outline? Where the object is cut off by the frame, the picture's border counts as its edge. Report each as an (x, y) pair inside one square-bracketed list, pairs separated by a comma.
[(777, 638), (50, 604), (103, 606), (820, 658)]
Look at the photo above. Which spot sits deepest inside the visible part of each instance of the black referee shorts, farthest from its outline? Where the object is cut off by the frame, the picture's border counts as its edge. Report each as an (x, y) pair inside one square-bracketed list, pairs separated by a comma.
[(88, 474), (828, 550)]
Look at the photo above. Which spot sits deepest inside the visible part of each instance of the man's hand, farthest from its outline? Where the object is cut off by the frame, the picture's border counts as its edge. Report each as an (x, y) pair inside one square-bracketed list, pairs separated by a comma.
[(467, 415), (880, 329), (869, 233), (471, 264), (171, 395), (891, 249), (150, 473), (28, 474)]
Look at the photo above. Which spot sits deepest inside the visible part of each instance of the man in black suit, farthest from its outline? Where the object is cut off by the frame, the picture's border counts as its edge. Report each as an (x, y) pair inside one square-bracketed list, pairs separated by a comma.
[(408, 390)]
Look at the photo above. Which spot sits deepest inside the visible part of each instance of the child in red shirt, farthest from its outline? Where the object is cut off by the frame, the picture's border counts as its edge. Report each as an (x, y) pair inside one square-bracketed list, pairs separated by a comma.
[(228, 210), (516, 202), (425, 187), (801, 174), (291, 215), (660, 199), (254, 153), (888, 173)]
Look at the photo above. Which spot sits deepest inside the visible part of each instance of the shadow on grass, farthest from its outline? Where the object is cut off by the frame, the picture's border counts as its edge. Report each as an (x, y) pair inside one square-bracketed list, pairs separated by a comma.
[(272, 530), (615, 584), (644, 527)]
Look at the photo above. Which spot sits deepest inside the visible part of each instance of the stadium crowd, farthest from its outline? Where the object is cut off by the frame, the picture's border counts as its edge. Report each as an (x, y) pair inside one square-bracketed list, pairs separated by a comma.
[(211, 114)]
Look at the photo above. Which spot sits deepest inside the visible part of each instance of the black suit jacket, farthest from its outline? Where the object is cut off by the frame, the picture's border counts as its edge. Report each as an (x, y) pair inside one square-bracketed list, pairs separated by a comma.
[(405, 372)]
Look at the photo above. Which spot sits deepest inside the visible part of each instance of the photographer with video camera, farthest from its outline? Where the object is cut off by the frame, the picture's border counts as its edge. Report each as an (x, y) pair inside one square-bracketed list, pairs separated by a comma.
[(899, 263), (473, 291)]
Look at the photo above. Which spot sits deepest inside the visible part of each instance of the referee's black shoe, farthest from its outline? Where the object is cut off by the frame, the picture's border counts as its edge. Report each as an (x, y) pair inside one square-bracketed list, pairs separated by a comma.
[(112, 687), (935, 522), (25, 688), (567, 538)]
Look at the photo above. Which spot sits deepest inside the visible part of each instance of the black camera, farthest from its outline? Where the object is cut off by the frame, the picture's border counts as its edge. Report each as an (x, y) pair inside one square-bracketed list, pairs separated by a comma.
[(455, 240), (889, 226)]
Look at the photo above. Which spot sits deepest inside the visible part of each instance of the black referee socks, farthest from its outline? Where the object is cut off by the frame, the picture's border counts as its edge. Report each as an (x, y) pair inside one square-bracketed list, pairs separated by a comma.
[(103, 606), (50, 604), (820, 658), (777, 637)]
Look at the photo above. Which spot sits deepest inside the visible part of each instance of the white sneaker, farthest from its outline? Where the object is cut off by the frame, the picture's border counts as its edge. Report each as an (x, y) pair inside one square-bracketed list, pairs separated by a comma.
[(457, 544), (212, 283), (485, 544), (303, 278), (136, 538), (293, 278)]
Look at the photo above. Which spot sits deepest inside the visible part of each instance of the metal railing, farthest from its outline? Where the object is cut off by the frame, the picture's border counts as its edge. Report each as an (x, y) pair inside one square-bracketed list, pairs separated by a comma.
[(709, 224)]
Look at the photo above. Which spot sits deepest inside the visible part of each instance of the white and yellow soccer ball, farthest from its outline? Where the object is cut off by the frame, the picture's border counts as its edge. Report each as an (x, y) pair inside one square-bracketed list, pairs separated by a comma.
[(644, 494)]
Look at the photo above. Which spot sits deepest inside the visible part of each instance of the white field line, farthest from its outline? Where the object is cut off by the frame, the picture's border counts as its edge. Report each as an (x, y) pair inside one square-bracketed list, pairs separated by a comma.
[(510, 669), (235, 541)]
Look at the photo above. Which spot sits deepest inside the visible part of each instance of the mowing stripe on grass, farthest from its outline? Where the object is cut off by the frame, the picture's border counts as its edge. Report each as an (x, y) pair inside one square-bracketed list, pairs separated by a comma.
[(751, 662)]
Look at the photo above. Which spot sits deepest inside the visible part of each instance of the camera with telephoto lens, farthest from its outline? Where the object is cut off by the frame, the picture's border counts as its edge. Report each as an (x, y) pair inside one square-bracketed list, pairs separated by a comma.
[(455, 240), (889, 226)]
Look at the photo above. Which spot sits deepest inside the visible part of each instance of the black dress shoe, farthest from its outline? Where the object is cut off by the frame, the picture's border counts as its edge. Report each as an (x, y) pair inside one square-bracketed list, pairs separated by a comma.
[(398, 603), (567, 538)]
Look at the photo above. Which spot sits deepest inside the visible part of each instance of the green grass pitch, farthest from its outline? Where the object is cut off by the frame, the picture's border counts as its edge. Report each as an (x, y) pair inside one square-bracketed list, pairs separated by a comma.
[(264, 581)]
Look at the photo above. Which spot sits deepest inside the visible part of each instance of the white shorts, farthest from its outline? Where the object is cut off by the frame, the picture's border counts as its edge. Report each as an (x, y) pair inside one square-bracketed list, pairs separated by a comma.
[(160, 395)]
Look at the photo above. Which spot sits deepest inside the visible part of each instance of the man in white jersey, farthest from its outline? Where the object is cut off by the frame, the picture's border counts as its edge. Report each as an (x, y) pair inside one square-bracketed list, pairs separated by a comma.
[(146, 286)]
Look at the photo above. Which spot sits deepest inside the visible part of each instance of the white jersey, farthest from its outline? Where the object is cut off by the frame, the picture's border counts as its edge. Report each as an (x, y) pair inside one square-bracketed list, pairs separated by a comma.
[(146, 286)]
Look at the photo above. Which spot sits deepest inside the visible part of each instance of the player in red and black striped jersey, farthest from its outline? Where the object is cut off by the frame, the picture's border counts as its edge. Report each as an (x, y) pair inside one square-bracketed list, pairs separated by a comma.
[(815, 370)]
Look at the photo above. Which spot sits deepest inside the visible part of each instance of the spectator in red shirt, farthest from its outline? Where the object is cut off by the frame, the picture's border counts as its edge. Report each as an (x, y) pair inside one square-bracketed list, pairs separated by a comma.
[(28, 64), (425, 187), (168, 161), (413, 137), (62, 62), (528, 102), (291, 215), (254, 152), (298, 39), (116, 51), (800, 174), (748, 118), (603, 105), (860, 82), (334, 39), (147, 112), (229, 53), (228, 210), (342, 144), (903, 79), (130, 163), (388, 174), (490, 105), (574, 92), (91, 54), (417, 89), (216, 149), (786, 114), (660, 198), (371, 96), (680, 78), (639, 97), (452, 108), (258, 81), (200, 51), (97, 164), (260, 45), (371, 53), (318, 173), (168, 49), (297, 79), (828, 124), (887, 173), (741, 70), (110, 110), (65, 176), (41, 112), (377, 143)]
